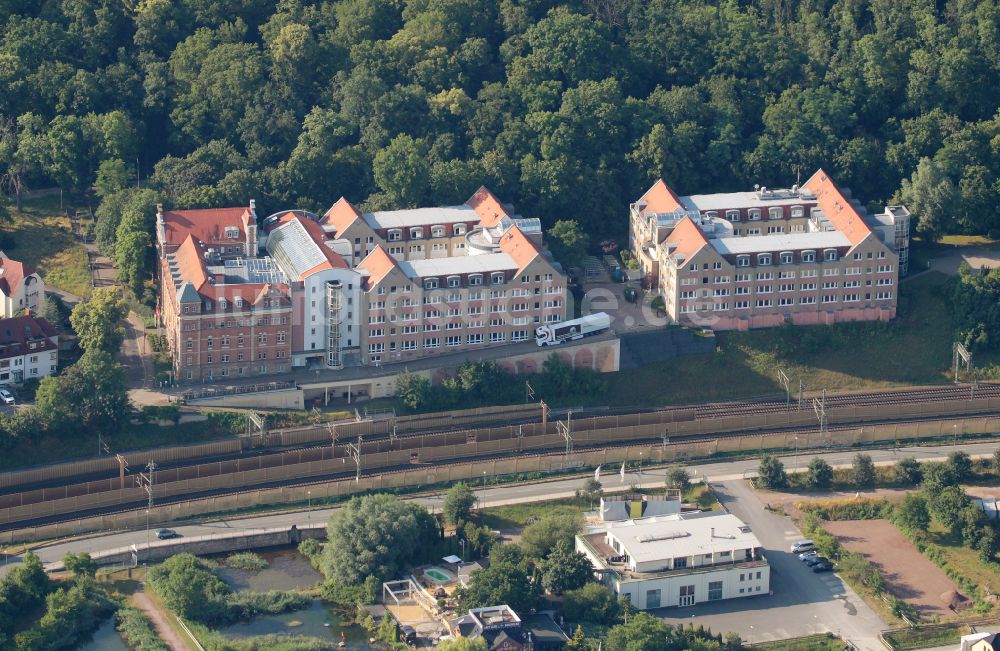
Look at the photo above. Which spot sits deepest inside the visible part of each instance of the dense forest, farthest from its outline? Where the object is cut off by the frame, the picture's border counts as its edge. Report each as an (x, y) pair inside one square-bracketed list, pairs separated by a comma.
[(569, 108)]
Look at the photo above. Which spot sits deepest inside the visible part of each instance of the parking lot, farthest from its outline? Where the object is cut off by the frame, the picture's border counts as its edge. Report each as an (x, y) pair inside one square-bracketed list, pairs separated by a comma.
[(802, 602)]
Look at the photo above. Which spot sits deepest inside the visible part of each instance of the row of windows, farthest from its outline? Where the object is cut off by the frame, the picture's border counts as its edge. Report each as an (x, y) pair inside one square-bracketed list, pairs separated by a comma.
[(224, 341), (419, 248), (449, 341), (826, 299), (225, 358), (418, 232), (240, 323), (754, 214), (241, 370), (784, 287)]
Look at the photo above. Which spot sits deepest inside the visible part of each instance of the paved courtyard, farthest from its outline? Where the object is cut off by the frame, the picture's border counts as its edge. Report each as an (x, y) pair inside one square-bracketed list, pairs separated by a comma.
[(802, 602)]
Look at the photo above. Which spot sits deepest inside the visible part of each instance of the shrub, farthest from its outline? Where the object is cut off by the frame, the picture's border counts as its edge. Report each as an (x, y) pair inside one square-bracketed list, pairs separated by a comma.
[(248, 561), (591, 603), (138, 631)]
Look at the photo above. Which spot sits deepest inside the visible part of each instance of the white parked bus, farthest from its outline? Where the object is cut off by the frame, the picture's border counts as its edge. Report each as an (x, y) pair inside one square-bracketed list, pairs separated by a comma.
[(556, 333)]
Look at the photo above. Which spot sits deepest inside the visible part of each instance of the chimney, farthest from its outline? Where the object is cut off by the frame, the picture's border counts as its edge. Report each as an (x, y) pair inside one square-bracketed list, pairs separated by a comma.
[(713, 532), (161, 230), (251, 234)]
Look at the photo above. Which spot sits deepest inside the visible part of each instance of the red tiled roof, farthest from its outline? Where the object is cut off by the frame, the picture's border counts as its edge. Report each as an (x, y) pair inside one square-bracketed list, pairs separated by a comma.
[(487, 206), (661, 199), (837, 207), (12, 273), (15, 333), (378, 264), (341, 215), (687, 237), (208, 225), (517, 245), (191, 264)]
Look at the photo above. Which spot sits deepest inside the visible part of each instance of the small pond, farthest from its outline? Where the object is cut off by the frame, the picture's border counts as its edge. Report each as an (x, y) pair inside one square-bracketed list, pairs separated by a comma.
[(287, 570), (105, 638), (311, 622)]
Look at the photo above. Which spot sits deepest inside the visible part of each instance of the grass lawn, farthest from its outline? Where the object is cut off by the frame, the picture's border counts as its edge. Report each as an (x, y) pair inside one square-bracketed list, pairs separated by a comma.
[(517, 516), (964, 561), (926, 637), (43, 239), (970, 240), (703, 496), (821, 642), (913, 349)]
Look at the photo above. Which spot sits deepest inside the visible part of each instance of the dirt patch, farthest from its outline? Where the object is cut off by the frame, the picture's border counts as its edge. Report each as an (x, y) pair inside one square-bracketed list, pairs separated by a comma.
[(908, 574)]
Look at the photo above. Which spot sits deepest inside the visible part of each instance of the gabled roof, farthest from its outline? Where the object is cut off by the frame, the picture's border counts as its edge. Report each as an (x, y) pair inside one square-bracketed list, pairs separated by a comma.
[(837, 207), (12, 274), (191, 264), (687, 238), (378, 264), (517, 245), (208, 225), (17, 332), (661, 199), (298, 246), (341, 215), (487, 206)]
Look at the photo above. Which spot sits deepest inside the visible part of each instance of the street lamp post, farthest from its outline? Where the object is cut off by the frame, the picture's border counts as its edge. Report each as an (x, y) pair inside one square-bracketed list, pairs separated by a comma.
[(484, 491), (310, 509), (461, 542), (147, 534), (796, 453)]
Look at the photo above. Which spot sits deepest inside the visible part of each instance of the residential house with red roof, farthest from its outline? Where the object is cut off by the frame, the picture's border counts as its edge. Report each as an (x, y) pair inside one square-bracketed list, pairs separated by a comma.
[(29, 349), (740, 260), (21, 288)]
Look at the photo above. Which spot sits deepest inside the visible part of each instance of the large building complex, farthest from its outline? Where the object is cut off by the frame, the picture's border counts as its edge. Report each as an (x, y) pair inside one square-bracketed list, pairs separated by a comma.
[(347, 288), (742, 260), (678, 560)]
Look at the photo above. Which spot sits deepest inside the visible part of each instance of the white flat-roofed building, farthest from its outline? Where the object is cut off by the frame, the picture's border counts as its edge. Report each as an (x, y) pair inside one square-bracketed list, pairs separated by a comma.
[(678, 560)]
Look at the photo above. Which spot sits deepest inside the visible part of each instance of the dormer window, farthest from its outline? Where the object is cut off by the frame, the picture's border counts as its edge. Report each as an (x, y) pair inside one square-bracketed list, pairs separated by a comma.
[(787, 257), (454, 281), (239, 302), (459, 229), (798, 211), (754, 214), (733, 215), (416, 233), (497, 279), (712, 214), (830, 255), (476, 279), (395, 235), (430, 283), (763, 259), (775, 212), (808, 256), (223, 304), (232, 233), (437, 231), (742, 261)]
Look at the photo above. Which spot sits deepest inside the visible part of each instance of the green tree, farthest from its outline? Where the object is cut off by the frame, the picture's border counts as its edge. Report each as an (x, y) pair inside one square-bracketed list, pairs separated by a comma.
[(414, 390), (565, 569), (188, 587), (540, 538), (464, 644), (402, 172), (592, 603), (578, 642), (480, 539), (931, 196), (643, 632), (591, 491), (505, 581), (936, 476), (946, 506), (996, 461), (97, 321), (771, 472), (908, 471), (113, 175), (568, 242), (961, 465), (912, 512), (863, 471), (80, 564), (820, 474), (373, 535), (92, 394), (458, 503), (678, 478)]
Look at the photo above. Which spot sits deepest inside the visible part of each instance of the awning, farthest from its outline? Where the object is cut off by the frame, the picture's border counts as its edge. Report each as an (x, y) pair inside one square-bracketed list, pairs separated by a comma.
[(452, 559)]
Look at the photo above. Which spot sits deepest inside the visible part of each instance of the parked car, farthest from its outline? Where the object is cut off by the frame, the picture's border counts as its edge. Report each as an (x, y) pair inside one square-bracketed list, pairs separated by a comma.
[(6, 397), (408, 634), (815, 560), (804, 556), (822, 567), (165, 534), (802, 546)]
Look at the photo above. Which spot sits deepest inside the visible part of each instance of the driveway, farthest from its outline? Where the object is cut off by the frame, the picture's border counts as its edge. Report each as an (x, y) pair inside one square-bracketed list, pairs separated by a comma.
[(801, 602)]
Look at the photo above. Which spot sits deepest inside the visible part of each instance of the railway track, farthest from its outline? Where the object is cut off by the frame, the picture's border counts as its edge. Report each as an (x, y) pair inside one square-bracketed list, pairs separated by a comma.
[(269, 457), (401, 468)]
